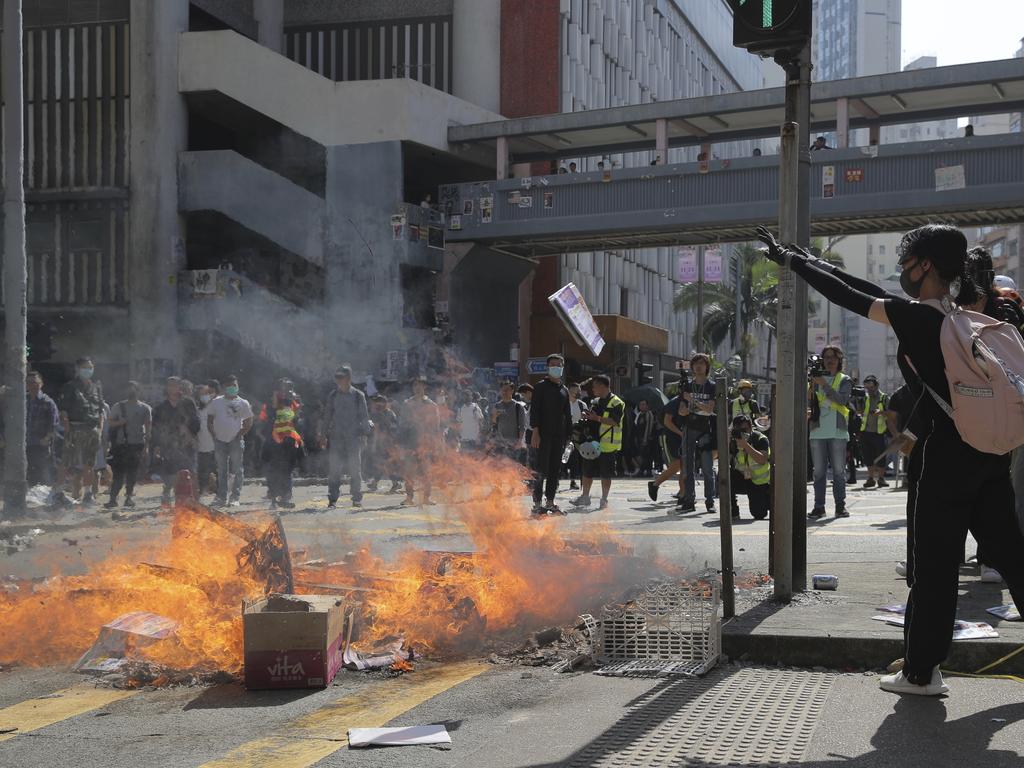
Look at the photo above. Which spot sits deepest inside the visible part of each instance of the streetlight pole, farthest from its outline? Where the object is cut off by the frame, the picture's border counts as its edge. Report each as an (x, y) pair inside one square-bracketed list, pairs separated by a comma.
[(14, 269)]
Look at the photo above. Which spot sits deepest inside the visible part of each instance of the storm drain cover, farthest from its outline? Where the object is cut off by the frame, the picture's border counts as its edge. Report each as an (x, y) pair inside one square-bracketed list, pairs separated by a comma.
[(744, 717)]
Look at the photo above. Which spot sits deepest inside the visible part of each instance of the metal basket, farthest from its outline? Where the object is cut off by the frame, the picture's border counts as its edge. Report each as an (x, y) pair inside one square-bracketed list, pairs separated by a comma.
[(668, 629)]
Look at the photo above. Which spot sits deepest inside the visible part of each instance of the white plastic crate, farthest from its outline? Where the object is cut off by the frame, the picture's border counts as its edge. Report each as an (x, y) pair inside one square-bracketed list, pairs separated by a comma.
[(668, 629)]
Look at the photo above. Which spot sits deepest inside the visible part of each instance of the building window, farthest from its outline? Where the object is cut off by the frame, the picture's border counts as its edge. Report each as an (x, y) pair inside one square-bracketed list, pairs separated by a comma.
[(881, 250)]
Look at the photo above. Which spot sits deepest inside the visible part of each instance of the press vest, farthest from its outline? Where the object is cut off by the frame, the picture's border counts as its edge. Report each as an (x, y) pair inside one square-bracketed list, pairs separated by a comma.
[(880, 426), (741, 407), (611, 438), (841, 409), (759, 474)]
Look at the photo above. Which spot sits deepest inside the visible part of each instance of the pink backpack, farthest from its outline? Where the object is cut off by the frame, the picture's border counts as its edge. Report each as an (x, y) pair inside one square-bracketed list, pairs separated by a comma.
[(985, 368)]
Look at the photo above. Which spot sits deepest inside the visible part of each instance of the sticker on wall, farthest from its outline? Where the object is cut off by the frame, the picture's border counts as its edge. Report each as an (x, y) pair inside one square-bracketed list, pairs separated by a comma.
[(486, 214), (398, 226), (950, 178), (486, 202), (686, 265), (828, 181), (467, 207), (854, 175), (549, 200), (455, 223), (713, 265), (526, 201), (514, 197)]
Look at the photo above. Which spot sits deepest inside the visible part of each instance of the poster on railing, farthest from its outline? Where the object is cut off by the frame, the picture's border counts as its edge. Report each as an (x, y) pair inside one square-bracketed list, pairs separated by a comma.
[(686, 266), (712, 265), (572, 309), (204, 281)]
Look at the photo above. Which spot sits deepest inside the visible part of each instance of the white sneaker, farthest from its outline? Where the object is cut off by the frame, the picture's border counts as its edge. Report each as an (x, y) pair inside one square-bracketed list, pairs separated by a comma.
[(901, 568), (582, 501), (898, 684), (990, 575)]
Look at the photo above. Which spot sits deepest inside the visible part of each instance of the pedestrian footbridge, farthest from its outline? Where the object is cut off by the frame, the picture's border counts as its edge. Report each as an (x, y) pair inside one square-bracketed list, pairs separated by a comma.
[(975, 181)]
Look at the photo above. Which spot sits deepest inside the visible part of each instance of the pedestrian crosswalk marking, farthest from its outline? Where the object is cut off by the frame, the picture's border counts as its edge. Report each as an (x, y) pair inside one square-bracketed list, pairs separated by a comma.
[(33, 714), (313, 737)]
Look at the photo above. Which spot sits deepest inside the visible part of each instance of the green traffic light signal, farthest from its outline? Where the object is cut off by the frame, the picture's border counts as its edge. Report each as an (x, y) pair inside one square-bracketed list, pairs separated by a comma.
[(770, 26), (766, 11)]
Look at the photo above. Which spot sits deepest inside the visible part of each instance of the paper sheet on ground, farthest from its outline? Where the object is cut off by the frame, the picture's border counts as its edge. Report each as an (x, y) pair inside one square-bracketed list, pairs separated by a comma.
[(962, 630), (1005, 612), (409, 735), (899, 608)]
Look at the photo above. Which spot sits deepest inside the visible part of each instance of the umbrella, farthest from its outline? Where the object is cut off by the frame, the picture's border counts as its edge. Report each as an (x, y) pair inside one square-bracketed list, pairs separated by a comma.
[(654, 396)]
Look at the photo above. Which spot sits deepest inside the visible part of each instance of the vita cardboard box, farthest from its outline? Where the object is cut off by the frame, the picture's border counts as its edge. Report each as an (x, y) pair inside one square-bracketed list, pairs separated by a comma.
[(293, 641)]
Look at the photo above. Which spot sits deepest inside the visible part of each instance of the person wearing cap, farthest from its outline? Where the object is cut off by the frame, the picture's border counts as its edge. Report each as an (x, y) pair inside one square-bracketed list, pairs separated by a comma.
[(346, 423), (745, 402), (873, 431), (752, 472)]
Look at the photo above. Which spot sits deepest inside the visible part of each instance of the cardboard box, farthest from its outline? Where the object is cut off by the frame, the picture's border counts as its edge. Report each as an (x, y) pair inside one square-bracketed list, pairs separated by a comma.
[(294, 641)]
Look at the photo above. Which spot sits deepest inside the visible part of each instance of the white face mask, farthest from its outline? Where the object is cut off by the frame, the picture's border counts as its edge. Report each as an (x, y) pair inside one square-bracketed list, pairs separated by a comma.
[(204, 399)]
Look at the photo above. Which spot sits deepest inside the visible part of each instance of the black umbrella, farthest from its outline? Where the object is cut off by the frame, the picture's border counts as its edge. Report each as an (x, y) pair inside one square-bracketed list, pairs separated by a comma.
[(654, 396)]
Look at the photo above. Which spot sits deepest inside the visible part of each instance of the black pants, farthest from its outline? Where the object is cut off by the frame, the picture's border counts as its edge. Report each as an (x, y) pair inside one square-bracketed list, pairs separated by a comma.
[(40, 465), (281, 460), (125, 468), (980, 500), (547, 468), (759, 497)]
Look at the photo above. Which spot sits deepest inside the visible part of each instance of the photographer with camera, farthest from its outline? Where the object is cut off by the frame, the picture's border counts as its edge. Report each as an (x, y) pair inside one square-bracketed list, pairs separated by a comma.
[(828, 395), (873, 429), (751, 471), (605, 421)]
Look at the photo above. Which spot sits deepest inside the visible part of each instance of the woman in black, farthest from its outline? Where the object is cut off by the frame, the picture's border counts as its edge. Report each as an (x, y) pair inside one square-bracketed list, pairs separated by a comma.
[(958, 487)]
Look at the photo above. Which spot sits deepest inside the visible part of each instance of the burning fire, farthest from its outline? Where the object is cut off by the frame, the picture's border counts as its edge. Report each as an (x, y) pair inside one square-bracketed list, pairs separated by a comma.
[(521, 575)]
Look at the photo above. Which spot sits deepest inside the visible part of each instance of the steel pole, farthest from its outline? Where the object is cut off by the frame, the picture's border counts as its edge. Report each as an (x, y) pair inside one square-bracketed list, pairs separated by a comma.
[(700, 299), (725, 494), (14, 268)]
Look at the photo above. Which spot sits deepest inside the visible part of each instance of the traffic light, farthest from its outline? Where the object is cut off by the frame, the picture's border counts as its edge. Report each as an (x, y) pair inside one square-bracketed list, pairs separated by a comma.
[(771, 27), (39, 340), (644, 373)]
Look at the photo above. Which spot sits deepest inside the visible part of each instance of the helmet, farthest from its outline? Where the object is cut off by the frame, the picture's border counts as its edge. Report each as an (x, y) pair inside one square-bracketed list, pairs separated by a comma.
[(1005, 281), (589, 449), (744, 384)]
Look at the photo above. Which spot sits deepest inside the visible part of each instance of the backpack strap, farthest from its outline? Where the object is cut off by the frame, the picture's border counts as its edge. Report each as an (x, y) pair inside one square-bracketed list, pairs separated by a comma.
[(940, 401)]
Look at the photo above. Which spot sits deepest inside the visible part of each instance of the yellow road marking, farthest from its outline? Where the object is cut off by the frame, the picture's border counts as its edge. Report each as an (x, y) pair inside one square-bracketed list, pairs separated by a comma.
[(34, 714), (313, 737)]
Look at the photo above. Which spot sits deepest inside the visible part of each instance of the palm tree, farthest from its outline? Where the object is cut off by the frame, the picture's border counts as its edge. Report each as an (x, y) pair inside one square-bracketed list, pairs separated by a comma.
[(759, 280)]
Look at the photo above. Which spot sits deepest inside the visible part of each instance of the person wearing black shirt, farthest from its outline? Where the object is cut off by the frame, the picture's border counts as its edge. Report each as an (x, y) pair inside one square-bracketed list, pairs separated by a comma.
[(699, 409), (750, 452), (673, 425), (958, 487), (550, 423)]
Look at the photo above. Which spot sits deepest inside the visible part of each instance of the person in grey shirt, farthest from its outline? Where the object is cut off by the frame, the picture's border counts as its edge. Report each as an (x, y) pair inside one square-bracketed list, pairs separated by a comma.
[(508, 423), (131, 423), (344, 428)]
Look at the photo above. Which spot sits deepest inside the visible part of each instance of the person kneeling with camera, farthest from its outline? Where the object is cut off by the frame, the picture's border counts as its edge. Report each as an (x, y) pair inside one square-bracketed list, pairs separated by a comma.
[(605, 419), (751, 472)]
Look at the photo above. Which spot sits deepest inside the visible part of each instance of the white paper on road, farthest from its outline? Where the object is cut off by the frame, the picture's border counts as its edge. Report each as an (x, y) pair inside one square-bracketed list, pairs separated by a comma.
[(1005, 612), (409, 735), (899, 608), (962, 630)]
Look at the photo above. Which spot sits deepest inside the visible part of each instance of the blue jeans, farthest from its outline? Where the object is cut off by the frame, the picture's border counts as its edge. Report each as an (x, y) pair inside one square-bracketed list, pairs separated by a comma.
[(707, 468), (229, 461), (832, 451)]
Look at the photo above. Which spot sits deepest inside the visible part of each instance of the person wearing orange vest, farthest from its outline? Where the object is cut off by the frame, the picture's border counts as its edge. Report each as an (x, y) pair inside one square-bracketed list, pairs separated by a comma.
[(282, 446)]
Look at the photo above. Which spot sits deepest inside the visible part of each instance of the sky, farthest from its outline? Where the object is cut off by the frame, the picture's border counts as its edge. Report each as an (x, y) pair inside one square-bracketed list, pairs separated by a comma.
[(991, 29)]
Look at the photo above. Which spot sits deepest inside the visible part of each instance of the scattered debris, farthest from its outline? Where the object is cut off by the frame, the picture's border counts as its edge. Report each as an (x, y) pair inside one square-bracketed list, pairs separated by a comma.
[(19, 542), (962, 630), (409, 735), (120, 638), (135, 674), (391, 655), (561, 648)]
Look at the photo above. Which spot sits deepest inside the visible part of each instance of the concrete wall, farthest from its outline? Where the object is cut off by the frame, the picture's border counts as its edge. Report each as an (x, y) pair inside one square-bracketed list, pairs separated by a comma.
[(270, 17), (330, 113), (329, 11), (477, 47), (159, 133)]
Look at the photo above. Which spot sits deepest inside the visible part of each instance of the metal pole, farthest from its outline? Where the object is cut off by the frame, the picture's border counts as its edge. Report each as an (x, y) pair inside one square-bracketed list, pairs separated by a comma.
[(801, 69), (14, 269), (725, 494), (700, 299), (739, 311)]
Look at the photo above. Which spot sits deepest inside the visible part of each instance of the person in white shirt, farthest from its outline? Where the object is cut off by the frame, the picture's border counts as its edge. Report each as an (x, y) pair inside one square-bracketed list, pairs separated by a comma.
[(206, 482), (470, 420), (229, 419)]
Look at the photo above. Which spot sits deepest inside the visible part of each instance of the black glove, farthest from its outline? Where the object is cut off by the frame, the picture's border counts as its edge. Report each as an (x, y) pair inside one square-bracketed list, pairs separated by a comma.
[(775, 252)]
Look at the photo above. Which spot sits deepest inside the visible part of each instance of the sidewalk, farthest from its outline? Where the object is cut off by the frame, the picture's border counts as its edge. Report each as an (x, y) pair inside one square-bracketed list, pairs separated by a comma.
[(835, 629)]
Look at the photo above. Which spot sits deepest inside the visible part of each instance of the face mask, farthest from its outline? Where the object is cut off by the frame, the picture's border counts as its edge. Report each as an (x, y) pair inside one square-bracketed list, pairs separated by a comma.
[(745, 396), (204, 399), (85, 373), (231, 391), (40, 395), (912, 287), (555, 371)]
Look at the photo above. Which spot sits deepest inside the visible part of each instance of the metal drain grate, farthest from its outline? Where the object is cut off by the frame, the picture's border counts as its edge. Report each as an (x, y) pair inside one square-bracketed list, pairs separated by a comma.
[(654, 668), (748, 717)]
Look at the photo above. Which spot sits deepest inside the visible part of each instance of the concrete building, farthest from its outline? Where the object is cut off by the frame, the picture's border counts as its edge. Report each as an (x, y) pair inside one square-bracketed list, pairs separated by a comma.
[(856, 37)]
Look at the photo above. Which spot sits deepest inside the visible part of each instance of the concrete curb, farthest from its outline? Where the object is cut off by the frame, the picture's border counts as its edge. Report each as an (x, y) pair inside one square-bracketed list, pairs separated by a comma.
[(853, 652)]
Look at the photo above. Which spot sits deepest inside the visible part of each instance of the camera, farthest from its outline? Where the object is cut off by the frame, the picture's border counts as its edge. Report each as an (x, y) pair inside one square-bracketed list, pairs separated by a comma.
[(815, 367), (736, 433), (859, 393), (684, 378)]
